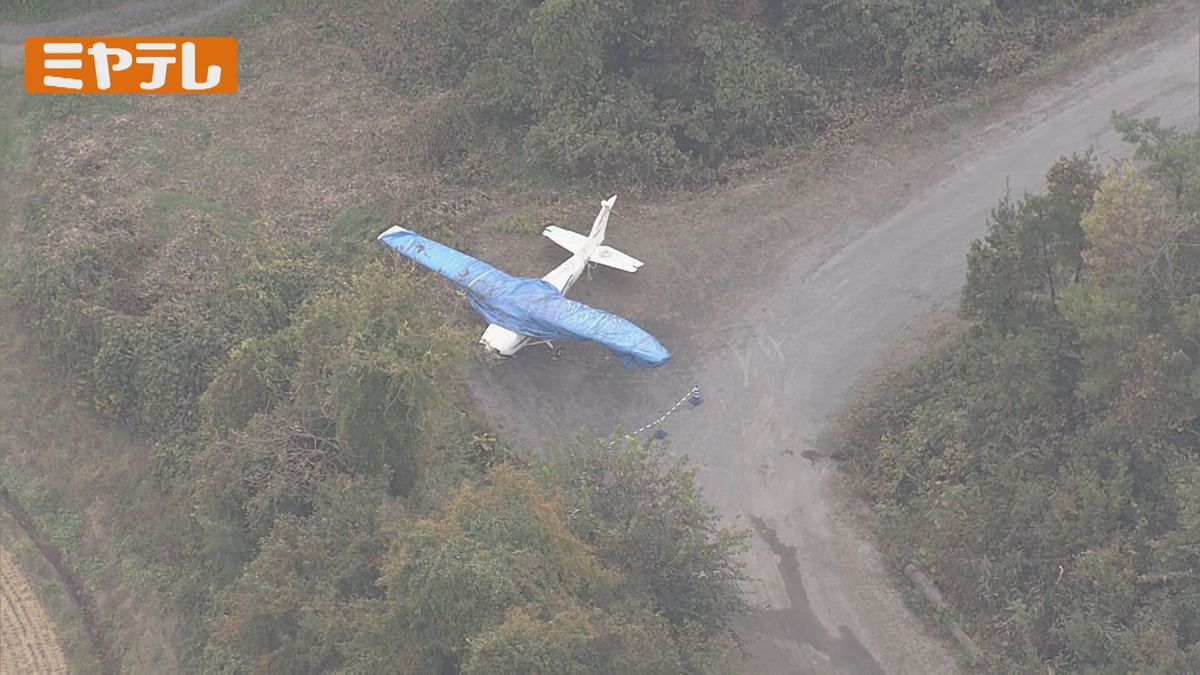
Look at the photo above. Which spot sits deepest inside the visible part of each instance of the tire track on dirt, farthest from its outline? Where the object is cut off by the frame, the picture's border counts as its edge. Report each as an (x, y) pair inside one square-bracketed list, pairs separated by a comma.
[(73, 585)]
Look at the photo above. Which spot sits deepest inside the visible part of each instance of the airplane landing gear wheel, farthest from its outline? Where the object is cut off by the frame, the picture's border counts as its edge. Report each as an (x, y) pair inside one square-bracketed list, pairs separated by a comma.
[(557, 353)]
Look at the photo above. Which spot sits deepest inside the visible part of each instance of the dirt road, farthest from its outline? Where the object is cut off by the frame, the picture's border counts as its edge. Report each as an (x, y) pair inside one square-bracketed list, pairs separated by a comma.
[(825, 270)]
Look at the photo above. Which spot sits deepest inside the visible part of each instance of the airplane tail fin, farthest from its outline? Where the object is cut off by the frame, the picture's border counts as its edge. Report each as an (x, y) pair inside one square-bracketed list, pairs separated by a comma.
[(603, 255), (601, 223)]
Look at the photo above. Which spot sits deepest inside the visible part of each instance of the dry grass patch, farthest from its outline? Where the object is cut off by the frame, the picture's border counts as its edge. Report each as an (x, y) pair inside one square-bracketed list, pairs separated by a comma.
[(312, 141), (30, 644)]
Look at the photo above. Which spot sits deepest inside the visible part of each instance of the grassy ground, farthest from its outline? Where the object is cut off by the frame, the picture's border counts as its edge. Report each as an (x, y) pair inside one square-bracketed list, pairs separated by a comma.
[(10, 134), (10, 82), (87, 488)]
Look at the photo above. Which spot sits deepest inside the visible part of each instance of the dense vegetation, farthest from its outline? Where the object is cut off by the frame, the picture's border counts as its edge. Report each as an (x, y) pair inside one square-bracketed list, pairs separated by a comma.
[(1046, 468), (666, 90), (333, 504)]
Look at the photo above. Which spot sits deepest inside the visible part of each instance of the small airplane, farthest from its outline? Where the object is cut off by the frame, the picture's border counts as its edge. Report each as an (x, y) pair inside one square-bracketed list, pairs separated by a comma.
[(522, 310)]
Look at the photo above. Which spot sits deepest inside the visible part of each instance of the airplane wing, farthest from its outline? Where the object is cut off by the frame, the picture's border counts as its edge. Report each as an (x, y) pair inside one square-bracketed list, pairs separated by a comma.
[(502, 299), (526, 306), (569, 319), (456, 266)]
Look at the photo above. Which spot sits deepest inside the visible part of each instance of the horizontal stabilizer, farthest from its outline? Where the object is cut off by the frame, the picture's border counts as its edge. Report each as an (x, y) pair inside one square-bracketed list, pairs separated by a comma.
[(611, 257), (572, 241), (603, 255)]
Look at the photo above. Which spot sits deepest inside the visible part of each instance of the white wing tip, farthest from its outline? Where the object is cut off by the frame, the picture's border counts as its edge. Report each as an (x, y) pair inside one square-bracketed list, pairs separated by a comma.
[(391, 230)]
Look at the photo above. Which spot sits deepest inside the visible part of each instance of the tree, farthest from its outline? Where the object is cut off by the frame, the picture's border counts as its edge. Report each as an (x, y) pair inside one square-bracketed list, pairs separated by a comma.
[(293, 607), (1170, 152), (644, 513), (573, 641), (1032, 250), (495, 582), (1042, 468)]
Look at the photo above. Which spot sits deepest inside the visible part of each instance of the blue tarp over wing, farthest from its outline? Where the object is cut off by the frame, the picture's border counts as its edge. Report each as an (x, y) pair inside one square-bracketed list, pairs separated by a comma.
[(528, 306)]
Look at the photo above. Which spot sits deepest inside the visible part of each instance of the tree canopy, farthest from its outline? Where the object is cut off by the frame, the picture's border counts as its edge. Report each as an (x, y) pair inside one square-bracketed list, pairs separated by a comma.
[(495, 580), (664, 91), (1043, 468)]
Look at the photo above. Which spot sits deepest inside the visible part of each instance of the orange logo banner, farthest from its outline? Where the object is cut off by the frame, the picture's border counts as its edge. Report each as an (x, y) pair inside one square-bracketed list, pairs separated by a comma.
[(131, 65)]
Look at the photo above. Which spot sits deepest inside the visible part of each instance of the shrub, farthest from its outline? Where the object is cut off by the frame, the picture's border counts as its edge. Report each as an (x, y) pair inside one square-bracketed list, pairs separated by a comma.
[(1036, 468), (661, 91)]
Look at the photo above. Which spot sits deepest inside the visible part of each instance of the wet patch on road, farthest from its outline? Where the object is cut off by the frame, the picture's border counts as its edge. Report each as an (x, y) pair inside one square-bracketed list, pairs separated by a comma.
[(799, 624), (813, 456)]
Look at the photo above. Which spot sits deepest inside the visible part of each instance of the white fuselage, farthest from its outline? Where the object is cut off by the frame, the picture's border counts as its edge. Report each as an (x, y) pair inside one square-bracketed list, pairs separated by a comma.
[(507, 343)]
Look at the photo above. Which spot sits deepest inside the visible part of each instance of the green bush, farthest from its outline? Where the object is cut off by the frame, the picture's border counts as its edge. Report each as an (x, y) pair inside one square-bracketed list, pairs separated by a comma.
[(620, 136), (756, 97), (254, 379), (642, 510), (150, 364), (662, 91), (922, 41), (176, 358), (1040, 468)]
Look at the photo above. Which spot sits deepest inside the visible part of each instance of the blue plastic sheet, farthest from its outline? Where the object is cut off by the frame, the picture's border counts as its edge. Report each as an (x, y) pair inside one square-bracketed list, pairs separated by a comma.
[(529, 306)]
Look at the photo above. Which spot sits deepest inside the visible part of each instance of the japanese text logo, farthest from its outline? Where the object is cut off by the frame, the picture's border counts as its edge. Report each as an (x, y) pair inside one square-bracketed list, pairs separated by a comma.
[(131, 65)]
